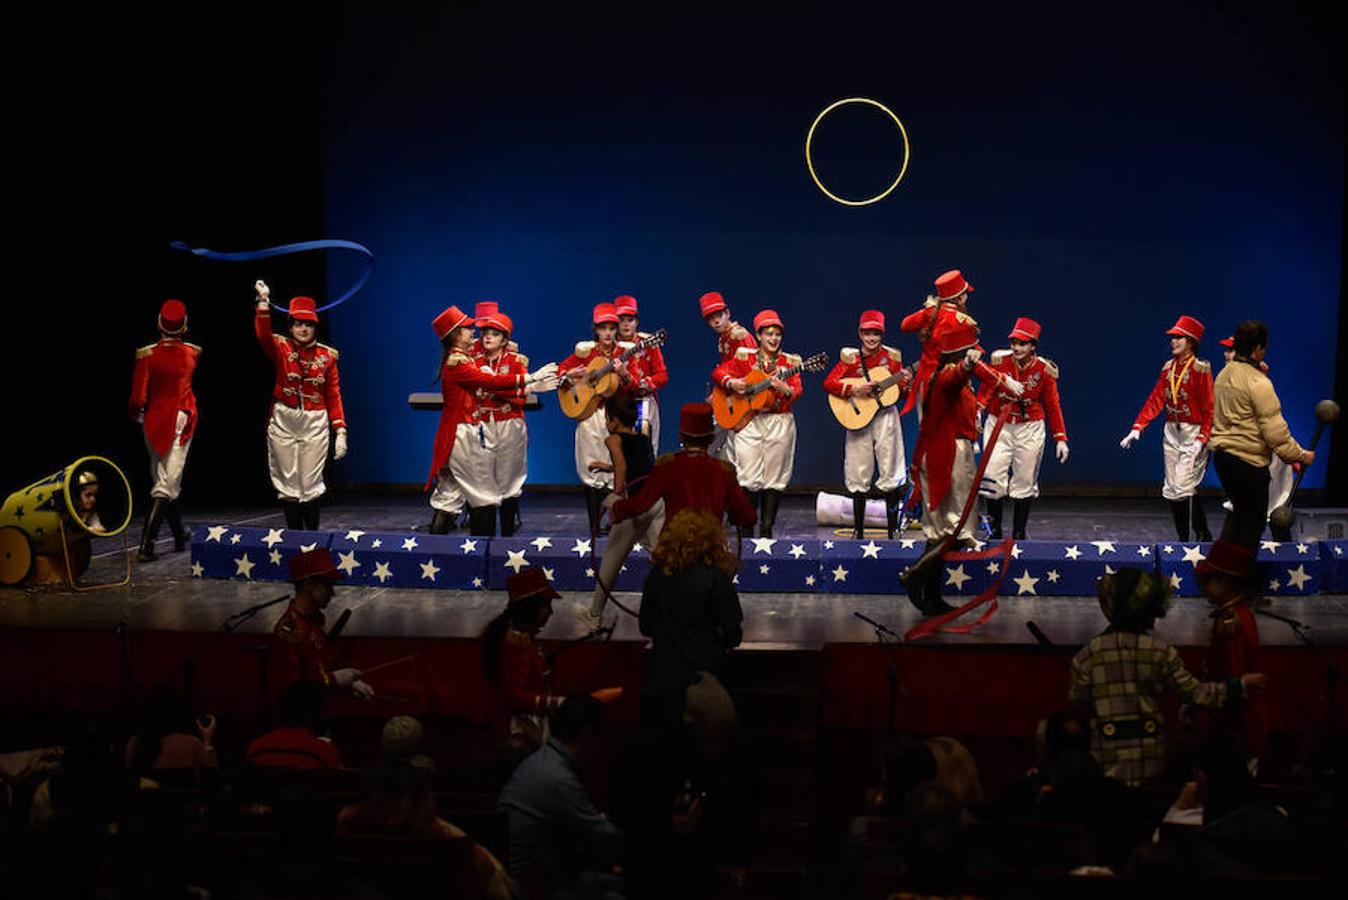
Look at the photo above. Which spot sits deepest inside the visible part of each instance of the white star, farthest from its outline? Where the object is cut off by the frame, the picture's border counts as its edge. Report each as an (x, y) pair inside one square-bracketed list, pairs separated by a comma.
[(429, 570), (1110, 570), (275, 557), (1072, 552), (1015, 551), (1167, 549), (235, 538), (468, 546), (410, 544), (1025, 583), (215, 532), (1270, 546), (541, 543), (273, 537), (1053, 576), (870, 550), (1194, 555), (1297, 577), (763, 545), (828, 545), (581, 548), (477, 582), (809, 580), (197, 570), (1175, 581), (764, 569), (549, 574), (589, 573), (1302, 548), (516, 560), (381, 572), (1338, 551), (623, 569), (797, 551), (1144, 550), (993, 566), (907, 543), (979, 544), (354, 535), (348, 562), (1103, 547), (736, 579), (306, 548), (840, 574), (957, 577), (637, 548), (1274, 585), (244, 566), (376, 543)]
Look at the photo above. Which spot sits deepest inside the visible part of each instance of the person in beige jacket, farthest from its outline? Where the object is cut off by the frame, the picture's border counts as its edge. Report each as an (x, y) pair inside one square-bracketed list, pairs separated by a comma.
[(1247, 431)]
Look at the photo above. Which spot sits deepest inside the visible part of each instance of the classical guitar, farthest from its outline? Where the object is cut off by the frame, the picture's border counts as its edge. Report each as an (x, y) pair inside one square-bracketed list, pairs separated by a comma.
[(579, 399), (857, 412), (734, 410)]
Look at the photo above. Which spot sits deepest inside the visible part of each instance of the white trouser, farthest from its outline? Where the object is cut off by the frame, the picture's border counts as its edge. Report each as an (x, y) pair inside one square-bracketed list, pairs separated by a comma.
[(723, 445), (939, 522), (648, 421), (1186, 460), (166, 472), (590, 436), (765, 451), (472, 465), (1280, 478), (644, 527), (1014, 464), (297, 450), (447, 497), (509, 443), (879, 443)]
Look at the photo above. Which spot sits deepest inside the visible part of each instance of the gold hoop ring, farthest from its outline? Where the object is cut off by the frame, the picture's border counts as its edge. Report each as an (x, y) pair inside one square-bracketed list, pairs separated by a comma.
[(809, 161)]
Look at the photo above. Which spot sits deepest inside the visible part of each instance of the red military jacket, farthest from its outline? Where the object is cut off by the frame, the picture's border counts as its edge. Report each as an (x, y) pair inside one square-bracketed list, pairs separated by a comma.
[(306, 377), (460, 380), (647, 369), (524, 675), (929, 322), (305, 640), (851, 364), (1184, 391), (161, 387), (690, 478), (949, 412), (588, 350), (1040, 400), (497, 405), (735, 337), (747, 359), (1234, 652)]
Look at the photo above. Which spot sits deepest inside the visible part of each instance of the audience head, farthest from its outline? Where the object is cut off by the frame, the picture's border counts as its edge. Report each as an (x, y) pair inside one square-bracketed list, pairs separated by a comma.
[(398, 801), (621, 409), (301, 704), (932, 847), (956, 770), (696, 428), (402, 740), (1133, 599), (692, 538), (1066, 729), (577, 724), (709, 716), (907, 762)]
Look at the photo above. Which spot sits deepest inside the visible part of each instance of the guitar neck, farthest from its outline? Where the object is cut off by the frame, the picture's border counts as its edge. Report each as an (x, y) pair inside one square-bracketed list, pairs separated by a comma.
[(887, 382)]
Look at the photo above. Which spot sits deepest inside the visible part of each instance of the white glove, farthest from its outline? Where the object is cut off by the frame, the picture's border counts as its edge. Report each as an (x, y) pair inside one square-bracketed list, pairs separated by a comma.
[(346, 677), (262, 291), (542, 374), (608, 502), (1012, 385), (971, 357), (339, 445), (1130, 439), (1062, 451), (362, 690)]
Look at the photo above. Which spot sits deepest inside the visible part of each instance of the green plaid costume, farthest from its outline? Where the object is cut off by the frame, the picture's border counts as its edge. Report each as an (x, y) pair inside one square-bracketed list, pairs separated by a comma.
[(1122, 674)]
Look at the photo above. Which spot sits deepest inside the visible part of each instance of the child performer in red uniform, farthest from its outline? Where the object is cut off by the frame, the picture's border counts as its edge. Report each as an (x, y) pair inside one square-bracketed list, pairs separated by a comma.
[(1226, 578), (731, 336), (592, 431), (512, 661), (503, 445), (646, 370)]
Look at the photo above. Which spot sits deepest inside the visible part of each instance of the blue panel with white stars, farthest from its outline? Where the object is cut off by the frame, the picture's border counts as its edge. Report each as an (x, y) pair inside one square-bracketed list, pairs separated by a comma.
[(568, 561), (407, 560), (1177, 562), (779, 564), (1284, 569), (865, 567), (1069, 568), (1334, 567), (250, 554)]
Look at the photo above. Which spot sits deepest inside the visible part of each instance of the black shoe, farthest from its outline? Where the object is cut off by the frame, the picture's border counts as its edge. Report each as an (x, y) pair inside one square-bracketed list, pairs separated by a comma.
[(936, 604), (858, 516), (1199, 518), (1179, 511), (150, 533), (995, 507), (482, 521), (893, 503), (1020, 517), (594, 500), (771, 500), (294, 518), (510, 514), (309, 514), (441, 522), (181, 536), (754, 499)]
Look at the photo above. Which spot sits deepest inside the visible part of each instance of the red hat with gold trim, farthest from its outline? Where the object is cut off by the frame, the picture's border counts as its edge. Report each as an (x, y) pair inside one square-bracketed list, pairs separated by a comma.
[(530, 582), (447, 321), (492, 318), (960, 336), (316, 563), (605, 314), (872, 320), (626, 305), (173, 317), (951, 285), (1025, 330), (711, 302), (1187, 326), (303, 309), (485, 308), (695, 420), (767, 317), (1228, 342), (1227, 558)]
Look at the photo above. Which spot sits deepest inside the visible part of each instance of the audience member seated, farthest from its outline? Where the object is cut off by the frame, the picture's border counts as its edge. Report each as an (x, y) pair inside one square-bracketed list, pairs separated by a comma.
[(296, 744), (687, 800), (933, 850), (400, 802), (1065, 730), (560, 845), (956, 771), (170, 738), (873, 837)]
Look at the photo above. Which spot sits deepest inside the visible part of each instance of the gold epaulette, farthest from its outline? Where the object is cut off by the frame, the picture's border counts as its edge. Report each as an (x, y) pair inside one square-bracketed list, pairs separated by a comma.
[(1050, 367), (626, 345), (738, 332), (1202, 365), (792, 359), (286, 630), (524, 360), (997, 356), (513, 346), (458, 357), (894, 352), (332, 350), (729, 466), (195, 348), (584, 349), (746, 352), (517, 638), (848, 355), (664, 458), (142, 352)]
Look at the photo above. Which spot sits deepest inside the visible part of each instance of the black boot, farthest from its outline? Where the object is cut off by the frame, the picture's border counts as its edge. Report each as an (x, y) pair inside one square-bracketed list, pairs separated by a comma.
[(151, 530), (771, 500), (482, 521), (175, 520), (1199, 519), (593, 507), (510, 514), (441, 522), (1020, 517), (294, 518), (1179, 511), (309, 513), (936, 604), (858, 516), (995, 507), (893, 503), (754, 498)]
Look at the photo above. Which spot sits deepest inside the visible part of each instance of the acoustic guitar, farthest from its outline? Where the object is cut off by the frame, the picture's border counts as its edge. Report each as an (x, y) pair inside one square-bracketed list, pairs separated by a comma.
[(734, 410), (579, 399), (854, 413)]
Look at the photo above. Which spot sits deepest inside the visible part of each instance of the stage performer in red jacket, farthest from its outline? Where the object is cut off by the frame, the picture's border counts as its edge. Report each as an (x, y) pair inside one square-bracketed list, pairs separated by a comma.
[(731, 336), (502, 451), (512, 661), (162, 398), (302, 628), (646, 370), (944, 310), (1226, 578)]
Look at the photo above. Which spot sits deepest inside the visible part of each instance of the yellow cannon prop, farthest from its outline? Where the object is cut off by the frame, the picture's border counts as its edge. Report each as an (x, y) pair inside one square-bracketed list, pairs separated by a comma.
[(45, 529)]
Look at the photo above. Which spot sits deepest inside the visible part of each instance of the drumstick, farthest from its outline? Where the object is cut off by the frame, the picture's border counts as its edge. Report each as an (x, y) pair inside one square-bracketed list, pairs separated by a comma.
[(389, 697), (385, 665)]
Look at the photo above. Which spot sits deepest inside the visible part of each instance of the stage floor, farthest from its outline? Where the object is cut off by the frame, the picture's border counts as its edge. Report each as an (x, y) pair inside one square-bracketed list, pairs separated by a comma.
[(163, 596)]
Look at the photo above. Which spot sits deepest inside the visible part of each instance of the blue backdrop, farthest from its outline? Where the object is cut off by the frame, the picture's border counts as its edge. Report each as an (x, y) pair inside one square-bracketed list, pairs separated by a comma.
[(1100, 175)]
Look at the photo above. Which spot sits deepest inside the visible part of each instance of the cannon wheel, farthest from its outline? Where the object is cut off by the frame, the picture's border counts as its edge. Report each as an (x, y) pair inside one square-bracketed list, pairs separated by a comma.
[(16, 555)]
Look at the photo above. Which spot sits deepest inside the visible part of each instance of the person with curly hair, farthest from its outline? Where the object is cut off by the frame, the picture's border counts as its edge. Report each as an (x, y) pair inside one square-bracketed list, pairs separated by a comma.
[(689, 606)]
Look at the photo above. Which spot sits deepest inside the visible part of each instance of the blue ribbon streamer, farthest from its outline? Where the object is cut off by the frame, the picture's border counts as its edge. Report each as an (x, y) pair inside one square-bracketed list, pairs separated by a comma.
[(286, 250)]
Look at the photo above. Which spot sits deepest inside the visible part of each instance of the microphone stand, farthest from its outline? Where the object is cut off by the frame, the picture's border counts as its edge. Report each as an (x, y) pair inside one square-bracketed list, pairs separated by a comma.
[(239, 618), (606, 631), (891, 665)]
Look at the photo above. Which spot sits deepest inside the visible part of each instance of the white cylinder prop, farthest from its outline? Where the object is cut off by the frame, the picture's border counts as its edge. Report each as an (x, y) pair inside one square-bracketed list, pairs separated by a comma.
[(836, 509)]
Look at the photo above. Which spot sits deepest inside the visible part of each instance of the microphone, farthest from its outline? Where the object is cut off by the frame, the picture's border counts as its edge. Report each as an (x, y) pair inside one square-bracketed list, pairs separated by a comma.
[(876, 625), (1038, 634), (337, 627)]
